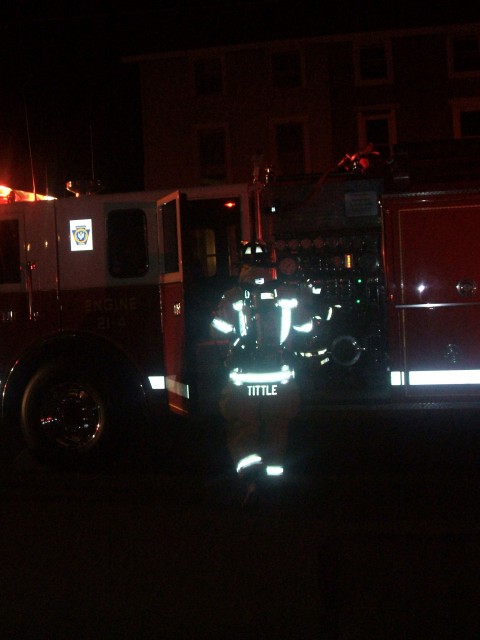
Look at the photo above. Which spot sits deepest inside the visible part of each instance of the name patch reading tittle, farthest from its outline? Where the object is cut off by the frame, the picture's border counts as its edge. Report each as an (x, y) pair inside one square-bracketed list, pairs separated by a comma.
[(262, 389)]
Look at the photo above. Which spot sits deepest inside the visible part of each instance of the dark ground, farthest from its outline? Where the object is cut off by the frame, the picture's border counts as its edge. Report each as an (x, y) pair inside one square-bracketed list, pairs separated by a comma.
[(378, 539)]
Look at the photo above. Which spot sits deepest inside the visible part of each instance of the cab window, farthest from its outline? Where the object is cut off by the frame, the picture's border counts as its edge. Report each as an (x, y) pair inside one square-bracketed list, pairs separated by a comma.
[(9, 252), (127, 243)]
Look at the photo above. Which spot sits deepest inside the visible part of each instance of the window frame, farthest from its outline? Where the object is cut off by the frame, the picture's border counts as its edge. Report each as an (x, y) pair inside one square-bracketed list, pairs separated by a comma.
[(303, 121), (459, 106), (205, 59), (361, 44), (381, 112), (285, 51), (202, 129), (469, 73)]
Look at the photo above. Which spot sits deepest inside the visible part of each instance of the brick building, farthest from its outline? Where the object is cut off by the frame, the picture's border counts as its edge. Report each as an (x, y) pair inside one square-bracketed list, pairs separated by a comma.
[(303, 103)]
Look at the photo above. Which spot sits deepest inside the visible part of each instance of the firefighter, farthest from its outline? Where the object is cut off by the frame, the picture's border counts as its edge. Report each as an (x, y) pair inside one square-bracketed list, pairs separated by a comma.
[(261, 396)]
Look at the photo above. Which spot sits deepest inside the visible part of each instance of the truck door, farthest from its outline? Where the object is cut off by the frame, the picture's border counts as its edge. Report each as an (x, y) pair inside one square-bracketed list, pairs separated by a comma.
[(172, 301), (436, 291), (211, 238), (29, 307)]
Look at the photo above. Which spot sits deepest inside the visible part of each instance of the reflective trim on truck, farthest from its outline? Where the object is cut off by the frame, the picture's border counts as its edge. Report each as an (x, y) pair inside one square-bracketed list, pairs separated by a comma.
[(157, 382), (160, 383), (177, 387), (453, 376)]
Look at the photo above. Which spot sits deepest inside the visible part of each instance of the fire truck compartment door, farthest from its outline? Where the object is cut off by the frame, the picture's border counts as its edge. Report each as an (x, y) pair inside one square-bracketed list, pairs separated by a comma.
[(438, 277), (29, 308), (172, 300)]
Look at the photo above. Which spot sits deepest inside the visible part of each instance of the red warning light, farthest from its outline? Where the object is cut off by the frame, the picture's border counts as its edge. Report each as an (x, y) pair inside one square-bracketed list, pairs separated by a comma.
[(230, 204)]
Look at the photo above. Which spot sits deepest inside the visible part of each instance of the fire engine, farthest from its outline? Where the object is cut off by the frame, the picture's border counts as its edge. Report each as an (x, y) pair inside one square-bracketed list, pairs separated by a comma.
[(107, 300)]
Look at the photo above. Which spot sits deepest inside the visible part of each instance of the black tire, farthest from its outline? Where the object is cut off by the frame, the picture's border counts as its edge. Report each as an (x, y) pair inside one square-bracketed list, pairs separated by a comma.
[(69, 415)]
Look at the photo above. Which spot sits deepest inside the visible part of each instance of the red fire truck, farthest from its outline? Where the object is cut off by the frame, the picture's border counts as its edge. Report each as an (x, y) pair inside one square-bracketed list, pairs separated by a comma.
[(106, 302)]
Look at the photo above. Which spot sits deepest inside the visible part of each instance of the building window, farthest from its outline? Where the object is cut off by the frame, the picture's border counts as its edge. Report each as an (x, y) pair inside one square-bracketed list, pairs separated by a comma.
[(9, 252), (464, 55), (286, 69), (212, 155), (208, 77), (378, 128), (373, 63), (290, 148), (466, 118), (470, 124), (127, 243)]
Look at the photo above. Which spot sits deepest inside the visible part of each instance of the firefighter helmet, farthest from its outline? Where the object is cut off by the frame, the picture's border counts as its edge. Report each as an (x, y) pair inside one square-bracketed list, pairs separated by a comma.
[(255, 252)]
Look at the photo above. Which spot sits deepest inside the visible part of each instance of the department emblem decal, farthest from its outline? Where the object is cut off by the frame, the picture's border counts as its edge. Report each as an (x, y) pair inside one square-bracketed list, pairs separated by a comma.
[(81, 235)]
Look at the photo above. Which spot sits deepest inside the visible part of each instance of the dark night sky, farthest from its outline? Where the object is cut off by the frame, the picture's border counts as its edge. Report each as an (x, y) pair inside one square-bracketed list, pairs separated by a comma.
[(64, 74)]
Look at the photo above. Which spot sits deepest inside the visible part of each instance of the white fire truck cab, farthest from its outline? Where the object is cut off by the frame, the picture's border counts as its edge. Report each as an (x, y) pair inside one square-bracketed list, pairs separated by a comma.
[(98, 295)]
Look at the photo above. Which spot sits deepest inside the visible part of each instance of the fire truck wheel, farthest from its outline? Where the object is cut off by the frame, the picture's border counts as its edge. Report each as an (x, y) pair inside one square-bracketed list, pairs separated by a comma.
[(66, 415)]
